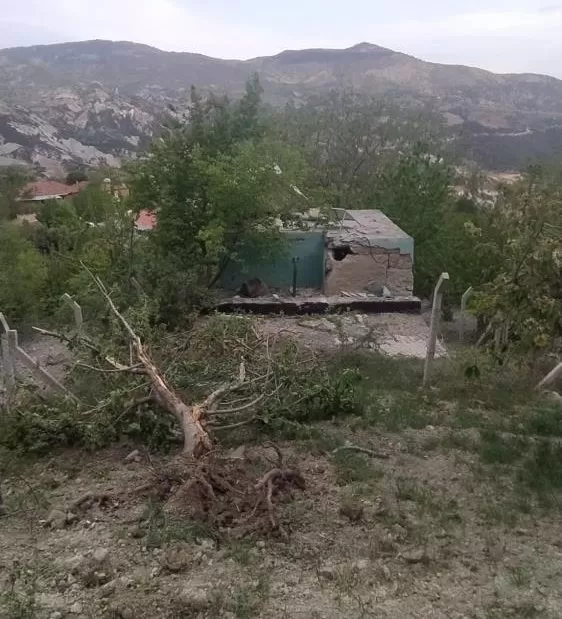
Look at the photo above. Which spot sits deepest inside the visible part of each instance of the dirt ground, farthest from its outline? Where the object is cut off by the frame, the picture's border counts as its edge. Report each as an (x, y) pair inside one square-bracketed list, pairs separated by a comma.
[(421, 533), (429, 523)]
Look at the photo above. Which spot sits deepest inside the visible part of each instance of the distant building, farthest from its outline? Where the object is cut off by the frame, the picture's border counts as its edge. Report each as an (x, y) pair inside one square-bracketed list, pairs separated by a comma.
[(43, 190), (358, 253), (146, 220)]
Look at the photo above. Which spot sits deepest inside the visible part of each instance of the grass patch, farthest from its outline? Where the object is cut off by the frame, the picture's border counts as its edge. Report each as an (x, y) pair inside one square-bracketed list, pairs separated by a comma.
[(520, 575), (408, 489), (385, 373), (352, 467), (545, 421), (542, 470), (248, 600), (499, 449), (397, 411)]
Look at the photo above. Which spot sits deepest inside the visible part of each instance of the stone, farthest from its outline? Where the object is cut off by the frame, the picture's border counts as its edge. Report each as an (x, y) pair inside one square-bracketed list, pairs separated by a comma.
[(177, 558), (206, 544), (196, 599), (375, 288), (237, 454), (76, 608), (74, 563), (414, 555), (56, 519), (71, 518), (55, 615), (327, 571), (108, 589), (361, 565), (101, 555), (120, 611), (136, 531), (127, 582), (134, 456)]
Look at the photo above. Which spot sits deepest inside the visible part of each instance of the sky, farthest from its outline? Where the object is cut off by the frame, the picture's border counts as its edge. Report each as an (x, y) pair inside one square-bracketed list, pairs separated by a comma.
[(499, 35)]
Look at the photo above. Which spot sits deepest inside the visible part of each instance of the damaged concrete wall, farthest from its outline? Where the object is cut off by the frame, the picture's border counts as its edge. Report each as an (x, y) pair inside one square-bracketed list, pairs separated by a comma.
[(359, 266)]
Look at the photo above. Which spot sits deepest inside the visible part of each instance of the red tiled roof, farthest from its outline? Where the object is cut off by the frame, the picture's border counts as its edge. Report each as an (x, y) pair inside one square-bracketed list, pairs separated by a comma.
[(50, 188), (146, 220)]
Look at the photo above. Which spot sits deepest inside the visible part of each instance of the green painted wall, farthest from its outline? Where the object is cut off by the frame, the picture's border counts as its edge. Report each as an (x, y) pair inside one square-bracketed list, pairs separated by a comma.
[(307, 246)]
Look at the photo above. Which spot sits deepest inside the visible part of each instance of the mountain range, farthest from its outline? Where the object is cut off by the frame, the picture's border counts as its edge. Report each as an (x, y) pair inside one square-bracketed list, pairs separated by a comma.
[(96, 102)]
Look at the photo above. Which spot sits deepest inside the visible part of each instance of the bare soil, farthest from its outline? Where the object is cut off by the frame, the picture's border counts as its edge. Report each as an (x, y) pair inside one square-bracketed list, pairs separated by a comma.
[(424, 533)]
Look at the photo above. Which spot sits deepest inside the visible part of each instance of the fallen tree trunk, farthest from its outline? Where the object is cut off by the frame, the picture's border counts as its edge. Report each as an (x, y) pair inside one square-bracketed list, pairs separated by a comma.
[(189, 417)]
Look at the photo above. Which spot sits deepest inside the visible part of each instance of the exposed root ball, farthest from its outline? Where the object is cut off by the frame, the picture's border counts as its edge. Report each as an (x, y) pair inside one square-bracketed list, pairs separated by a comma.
[(225, 495)]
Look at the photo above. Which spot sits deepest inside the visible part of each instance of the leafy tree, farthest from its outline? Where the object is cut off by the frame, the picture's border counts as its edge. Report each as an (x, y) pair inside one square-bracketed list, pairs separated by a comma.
[(22, 276), (93, 204), (348, 139), (76, 176), (219, 186), (520, 249), (414, 191), (12, 182)]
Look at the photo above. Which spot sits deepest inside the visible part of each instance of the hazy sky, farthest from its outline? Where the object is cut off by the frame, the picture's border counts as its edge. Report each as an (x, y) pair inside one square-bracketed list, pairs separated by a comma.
[(500, 35)]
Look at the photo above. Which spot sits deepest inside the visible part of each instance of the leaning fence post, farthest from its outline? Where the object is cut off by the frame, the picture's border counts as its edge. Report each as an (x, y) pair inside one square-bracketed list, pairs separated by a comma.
[(78, 318), (8, 369), (434, 325), (464, 300)]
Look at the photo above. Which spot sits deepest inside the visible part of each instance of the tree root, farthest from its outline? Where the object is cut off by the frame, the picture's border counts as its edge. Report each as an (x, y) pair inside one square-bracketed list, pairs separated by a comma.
[(226, 496)]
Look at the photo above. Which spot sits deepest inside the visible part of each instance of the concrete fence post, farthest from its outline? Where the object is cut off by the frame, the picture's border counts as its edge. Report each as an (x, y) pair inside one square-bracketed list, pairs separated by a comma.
[(434, 326), (8, 369), (77, 310), (464, 300)]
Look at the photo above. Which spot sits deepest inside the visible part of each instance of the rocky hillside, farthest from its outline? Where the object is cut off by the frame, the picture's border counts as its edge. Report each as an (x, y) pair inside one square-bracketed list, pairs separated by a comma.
[(98, 101)]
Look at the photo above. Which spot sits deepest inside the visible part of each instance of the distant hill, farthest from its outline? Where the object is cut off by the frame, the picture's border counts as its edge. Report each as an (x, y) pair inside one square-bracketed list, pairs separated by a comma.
[(96, 101)]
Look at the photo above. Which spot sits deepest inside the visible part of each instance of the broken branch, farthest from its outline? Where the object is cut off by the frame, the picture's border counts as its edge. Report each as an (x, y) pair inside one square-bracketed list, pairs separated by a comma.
[(369, 452)]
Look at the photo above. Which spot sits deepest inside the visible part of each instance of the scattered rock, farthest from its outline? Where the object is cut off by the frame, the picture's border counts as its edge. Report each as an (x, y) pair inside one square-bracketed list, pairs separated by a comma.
[(120, 611), (100, 555), (134, 456), (327, 571), (414, 555), (76, 609), (237, 454), (56, 519), (108, 589), (136, 531), (360, 565), (196, 599), (177, 558), (127, 582), (74, 563), (352, 510), (206, 544), (55, 615)]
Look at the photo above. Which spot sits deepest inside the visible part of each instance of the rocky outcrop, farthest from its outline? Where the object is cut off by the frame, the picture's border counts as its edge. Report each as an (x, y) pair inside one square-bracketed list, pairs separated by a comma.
[(99, 101)]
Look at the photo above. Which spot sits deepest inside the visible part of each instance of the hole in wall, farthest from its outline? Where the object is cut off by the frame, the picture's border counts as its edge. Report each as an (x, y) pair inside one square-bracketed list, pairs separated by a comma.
[(339, 253)]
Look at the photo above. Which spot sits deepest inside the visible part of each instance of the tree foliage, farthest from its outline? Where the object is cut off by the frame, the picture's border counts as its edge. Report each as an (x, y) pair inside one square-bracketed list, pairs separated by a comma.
[(22, 277), (12, 182), (218, 184), (520, 252)]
